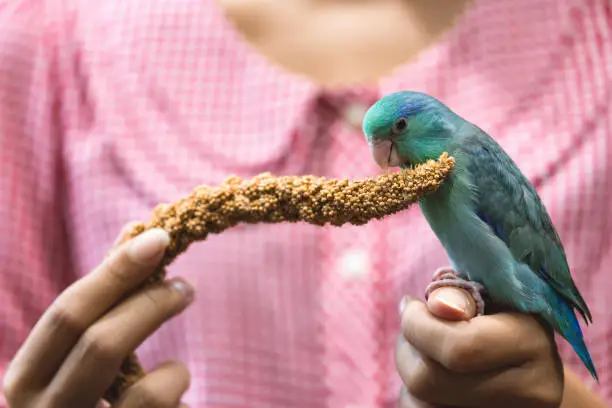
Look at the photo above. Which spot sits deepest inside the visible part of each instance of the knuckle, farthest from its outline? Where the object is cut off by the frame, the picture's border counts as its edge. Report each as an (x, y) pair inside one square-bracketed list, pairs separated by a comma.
[(543, 386), (544, 396), (547, 393), (542, 343), (459, 355), (163, 299), (408, 320), (99, 347), (539, 347), (551, 397), (64, 319), (418, 381), (119, 266), (142, 397)]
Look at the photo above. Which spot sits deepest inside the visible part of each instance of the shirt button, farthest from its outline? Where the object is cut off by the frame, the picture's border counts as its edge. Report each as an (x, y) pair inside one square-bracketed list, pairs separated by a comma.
[(354, 264), (354, 114)]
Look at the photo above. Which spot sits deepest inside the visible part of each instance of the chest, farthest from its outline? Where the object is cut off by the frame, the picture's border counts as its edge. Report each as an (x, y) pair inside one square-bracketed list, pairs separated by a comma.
[(450, 214)]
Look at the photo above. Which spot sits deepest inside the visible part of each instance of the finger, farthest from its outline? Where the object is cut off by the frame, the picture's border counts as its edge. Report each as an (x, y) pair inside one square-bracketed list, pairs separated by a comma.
[(161, 388), (450, 303), (407, 357), (427, 381), (95, 360), (82, 304), (482, 343)]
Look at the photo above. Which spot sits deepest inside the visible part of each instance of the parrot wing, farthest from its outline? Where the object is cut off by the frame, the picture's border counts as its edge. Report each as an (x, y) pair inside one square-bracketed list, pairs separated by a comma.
[(510, 205)]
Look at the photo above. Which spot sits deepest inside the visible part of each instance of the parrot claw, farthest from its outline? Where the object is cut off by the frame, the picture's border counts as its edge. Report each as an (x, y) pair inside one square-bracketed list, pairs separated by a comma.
[(448, 277), (444, 273)]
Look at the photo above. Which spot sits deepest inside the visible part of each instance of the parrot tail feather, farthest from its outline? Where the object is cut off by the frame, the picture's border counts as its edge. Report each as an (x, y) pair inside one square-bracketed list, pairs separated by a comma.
[(566, 323)]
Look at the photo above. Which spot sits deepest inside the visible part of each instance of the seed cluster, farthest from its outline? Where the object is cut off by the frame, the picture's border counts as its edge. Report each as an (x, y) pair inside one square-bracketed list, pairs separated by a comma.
[(269, 199)]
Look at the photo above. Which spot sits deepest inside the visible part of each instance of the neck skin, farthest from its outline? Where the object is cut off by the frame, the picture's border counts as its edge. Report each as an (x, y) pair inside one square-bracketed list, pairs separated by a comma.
[(359, 41)]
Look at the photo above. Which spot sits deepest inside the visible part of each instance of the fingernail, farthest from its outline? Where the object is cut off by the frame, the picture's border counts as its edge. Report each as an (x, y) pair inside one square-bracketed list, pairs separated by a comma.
[(403, 303), (184, 288), (149, 246), (453, 298)]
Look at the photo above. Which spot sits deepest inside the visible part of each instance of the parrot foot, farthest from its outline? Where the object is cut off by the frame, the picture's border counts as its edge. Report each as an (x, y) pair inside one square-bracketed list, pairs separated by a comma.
[(448, 277)]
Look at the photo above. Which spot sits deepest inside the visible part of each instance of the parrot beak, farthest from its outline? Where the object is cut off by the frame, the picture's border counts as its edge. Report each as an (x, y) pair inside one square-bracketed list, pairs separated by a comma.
[(385, 154)]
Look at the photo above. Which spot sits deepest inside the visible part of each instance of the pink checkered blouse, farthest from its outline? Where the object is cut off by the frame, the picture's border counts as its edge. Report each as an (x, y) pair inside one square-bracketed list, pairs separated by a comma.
[(108, 108)]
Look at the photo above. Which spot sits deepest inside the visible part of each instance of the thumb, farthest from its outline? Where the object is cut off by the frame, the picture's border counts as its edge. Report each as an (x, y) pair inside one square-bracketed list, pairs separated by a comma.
[(451, 303)]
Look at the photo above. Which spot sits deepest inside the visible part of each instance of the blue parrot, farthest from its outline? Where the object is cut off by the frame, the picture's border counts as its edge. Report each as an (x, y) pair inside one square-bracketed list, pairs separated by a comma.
[(493, 225)]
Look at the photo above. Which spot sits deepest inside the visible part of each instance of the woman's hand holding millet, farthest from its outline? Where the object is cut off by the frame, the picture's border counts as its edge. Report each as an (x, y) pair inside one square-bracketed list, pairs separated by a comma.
[(75, 350)]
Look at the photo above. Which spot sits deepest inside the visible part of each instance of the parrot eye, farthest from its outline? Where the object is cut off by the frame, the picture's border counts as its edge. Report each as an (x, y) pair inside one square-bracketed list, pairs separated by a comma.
[(399, 125)]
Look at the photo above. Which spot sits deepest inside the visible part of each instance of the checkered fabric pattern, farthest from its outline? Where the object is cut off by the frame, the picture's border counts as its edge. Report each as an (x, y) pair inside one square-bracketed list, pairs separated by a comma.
[(110, 107)]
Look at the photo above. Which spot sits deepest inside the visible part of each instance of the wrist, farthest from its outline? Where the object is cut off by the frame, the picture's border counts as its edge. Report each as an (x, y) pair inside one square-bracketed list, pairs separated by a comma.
[(577, 394)]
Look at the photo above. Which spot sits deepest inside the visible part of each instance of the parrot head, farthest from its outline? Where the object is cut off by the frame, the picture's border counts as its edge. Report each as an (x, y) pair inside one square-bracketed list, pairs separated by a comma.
[(408, 128)]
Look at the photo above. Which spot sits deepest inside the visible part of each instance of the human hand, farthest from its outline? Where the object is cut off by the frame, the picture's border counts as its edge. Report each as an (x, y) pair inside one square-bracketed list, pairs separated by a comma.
[(446, 357), (75, 350)]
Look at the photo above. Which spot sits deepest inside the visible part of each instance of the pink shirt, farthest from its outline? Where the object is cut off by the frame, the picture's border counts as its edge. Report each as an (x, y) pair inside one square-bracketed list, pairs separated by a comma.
[(108, 108)]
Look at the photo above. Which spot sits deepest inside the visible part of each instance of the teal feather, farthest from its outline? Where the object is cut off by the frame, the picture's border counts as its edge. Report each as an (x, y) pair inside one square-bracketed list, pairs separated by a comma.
[(515, 212), (487, 215)]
